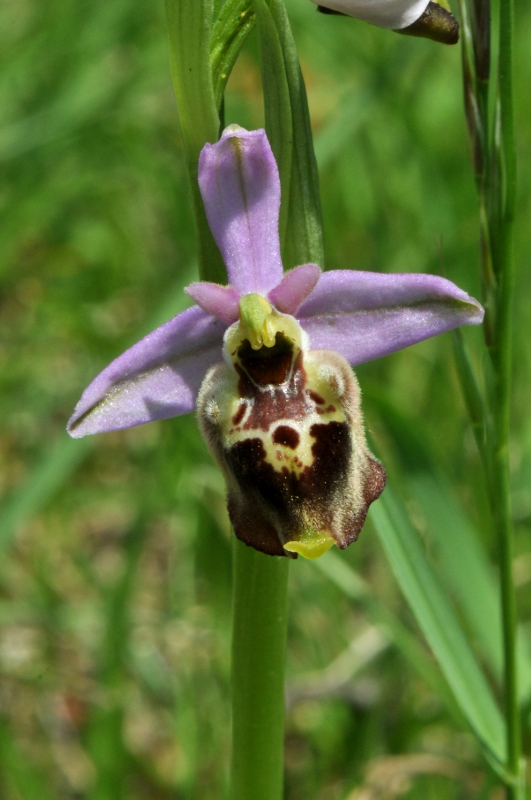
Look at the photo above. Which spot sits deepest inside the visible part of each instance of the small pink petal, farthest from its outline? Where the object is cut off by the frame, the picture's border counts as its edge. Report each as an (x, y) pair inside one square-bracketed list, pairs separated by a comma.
[(220, 301), (294, 288)]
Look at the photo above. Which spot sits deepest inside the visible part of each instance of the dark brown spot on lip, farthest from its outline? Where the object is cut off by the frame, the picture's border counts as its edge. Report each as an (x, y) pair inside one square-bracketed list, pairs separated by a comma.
[(286, 436), (237, 418), (328, 410), (316, 397), (282, 495)]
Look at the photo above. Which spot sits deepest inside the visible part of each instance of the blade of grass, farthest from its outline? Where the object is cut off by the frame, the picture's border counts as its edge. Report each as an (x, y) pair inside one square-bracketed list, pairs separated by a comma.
[(19, 776), (189, 30), (463, 559), (289, 131), (277, 108), (439, 625), (305, 202), (469, 573), (62, 457), (353, 586)]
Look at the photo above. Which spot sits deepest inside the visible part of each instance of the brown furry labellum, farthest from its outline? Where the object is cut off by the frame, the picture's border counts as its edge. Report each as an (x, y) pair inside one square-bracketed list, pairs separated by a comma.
[(284, 424)]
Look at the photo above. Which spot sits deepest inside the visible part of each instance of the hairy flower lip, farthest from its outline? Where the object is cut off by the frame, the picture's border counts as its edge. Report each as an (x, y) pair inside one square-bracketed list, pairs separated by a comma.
[(361, 315)]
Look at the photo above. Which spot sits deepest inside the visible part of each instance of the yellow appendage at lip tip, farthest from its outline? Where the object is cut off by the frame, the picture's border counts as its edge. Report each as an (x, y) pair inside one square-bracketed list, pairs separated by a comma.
[(311, 545), (255, 313)]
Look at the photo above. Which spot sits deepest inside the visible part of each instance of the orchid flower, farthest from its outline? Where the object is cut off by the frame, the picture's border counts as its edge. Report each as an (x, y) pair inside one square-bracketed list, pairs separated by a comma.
[(267, 359), (423, 18)]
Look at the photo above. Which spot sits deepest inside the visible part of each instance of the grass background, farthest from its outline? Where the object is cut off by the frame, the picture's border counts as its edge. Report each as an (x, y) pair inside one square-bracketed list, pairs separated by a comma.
[(115, 573)]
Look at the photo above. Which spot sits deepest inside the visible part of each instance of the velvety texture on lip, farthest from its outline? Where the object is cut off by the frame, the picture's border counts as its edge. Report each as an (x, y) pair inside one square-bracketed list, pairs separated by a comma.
[(360, 315)]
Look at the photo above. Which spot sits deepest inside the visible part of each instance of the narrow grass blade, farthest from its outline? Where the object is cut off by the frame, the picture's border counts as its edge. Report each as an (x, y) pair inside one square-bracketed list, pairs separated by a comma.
[(439, 624), (469, 573), (20, 779), (353, 586), (462, 557), (305, 201)]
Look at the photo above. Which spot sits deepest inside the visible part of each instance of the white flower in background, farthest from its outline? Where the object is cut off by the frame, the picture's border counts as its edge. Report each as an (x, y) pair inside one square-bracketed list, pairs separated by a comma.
[(393, 14), (413, 17)]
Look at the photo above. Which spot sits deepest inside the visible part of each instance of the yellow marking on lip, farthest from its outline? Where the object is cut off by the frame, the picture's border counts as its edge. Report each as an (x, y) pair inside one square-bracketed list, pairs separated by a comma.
[(295, 460), (311, 545)]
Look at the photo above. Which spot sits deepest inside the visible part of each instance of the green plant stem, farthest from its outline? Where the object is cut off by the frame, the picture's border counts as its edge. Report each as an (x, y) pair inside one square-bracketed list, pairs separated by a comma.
[(501, 352), (494, 160), (258, 660)]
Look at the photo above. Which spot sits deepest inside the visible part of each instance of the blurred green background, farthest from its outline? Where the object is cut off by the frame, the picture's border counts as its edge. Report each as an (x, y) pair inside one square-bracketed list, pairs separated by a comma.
[(116, 566)]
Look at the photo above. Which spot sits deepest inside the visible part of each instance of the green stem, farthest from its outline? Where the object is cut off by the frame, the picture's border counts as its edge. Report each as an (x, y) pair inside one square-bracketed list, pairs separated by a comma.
[(501, 358), (494, 158), (501, 352), (258, 660)]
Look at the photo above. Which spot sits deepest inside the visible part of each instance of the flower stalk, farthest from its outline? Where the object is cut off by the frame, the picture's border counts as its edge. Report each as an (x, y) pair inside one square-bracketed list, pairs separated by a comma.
[(493, 148), (501, 355), (258, 661)]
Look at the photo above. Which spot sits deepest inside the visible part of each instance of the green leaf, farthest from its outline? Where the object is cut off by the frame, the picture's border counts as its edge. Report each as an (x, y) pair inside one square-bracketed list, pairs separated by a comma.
[(440, 626), (476, 407), (463, 559), (277, 107), (289, 131), (189, 27), (305, 203), (353, 586), (469, 574), (231, 29)]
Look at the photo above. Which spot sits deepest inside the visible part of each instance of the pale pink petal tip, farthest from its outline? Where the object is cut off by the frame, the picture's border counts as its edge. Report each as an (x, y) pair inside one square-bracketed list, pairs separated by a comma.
[(220, 301), (294, 288)]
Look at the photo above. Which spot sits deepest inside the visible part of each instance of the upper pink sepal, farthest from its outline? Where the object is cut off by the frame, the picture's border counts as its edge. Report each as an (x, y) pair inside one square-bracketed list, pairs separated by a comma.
[(294, 288), (220, 301)]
